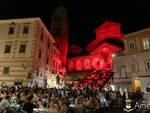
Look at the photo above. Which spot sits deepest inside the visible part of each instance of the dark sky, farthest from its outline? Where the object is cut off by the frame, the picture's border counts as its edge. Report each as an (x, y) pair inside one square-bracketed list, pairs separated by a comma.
[(84, 15)]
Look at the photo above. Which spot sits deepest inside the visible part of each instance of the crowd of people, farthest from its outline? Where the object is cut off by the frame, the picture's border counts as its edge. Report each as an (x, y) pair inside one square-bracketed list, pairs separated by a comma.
[(64, 100)]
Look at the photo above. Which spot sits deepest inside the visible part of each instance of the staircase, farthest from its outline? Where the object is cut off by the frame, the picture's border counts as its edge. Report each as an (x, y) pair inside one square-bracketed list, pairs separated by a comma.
[(96, 79)]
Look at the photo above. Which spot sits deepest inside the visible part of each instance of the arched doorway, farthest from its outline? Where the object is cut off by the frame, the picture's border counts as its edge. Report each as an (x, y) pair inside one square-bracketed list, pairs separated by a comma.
[(137, 85)]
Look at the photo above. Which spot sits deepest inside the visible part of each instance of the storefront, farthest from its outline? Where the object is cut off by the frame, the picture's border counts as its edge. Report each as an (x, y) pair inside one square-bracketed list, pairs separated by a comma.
[(141, 83), (53, 80), (137, 85)]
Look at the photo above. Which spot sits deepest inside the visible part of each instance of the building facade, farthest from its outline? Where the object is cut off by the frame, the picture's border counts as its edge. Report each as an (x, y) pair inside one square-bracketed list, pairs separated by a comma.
[(27, 52), (94, 62), (132, 66)]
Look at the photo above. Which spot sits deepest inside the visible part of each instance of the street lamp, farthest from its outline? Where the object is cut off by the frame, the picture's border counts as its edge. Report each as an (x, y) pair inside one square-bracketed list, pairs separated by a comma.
[(113, 55)]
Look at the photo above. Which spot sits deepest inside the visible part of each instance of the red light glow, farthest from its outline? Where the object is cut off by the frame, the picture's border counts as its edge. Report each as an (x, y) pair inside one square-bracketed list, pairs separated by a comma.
[(99, 59)]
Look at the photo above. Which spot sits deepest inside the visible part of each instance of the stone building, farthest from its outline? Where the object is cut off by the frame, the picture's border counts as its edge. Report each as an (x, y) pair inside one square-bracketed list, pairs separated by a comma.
[(27, 53), (132, 66)]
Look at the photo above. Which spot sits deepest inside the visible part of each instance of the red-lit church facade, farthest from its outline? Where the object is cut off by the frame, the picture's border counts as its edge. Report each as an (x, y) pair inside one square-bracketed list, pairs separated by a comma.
[(93, 64), (97, 61)]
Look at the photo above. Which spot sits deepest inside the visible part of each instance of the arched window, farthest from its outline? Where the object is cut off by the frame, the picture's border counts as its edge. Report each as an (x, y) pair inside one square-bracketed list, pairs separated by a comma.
[(71, 66), (87, 64), (105, 53), (78, 65), (96, 63)]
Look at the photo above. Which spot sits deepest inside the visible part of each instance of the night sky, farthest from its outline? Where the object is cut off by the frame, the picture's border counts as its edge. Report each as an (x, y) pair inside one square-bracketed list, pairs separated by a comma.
[(84, 15)]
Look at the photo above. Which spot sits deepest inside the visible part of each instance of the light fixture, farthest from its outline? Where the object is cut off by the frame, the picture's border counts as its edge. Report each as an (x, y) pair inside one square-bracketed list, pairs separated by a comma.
[(113, 55)]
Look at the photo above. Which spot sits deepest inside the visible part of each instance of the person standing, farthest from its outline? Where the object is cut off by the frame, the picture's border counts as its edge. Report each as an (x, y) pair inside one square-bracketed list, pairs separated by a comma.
[(123, 100), (113, 96), (28, 106), (103, 103)]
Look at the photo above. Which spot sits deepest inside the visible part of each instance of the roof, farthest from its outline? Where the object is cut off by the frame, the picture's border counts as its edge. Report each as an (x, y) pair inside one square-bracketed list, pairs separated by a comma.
[(108, 34), (34, 19), (140, 31), (92, 44), (107, 24), (97, 43), (47, 31), (20, 20), (111, 47)]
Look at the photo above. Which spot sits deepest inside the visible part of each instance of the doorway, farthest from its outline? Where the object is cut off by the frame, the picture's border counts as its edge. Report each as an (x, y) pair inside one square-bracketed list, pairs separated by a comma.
[(137, 85)]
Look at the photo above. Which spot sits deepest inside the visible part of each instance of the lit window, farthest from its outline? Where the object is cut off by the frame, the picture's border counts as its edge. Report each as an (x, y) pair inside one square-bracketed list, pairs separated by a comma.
[(11, 30), (146, 43), (134, 67), (7, 48), (147, 64), (6, 70), (87, 64), (71, 66), (26, 29), (132, 45), (78, 65), (22, 48)]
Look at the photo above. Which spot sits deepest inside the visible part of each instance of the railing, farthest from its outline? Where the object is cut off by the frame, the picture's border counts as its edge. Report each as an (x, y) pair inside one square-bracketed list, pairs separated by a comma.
[(126, 75)]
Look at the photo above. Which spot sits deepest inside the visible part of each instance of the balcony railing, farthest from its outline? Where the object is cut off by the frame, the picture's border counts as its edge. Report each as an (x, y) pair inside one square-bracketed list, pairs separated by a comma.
[(126, 75)]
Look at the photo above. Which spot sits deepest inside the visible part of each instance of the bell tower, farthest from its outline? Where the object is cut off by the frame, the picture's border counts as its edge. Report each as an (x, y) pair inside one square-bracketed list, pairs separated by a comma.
[(59, 30)]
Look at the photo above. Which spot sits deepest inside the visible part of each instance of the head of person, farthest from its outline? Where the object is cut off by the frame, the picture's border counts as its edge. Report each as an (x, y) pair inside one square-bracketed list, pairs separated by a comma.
[(30, 98), (7, 97)]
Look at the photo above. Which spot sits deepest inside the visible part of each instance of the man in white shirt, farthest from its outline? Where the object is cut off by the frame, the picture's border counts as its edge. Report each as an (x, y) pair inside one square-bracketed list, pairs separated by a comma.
[(4, 103)]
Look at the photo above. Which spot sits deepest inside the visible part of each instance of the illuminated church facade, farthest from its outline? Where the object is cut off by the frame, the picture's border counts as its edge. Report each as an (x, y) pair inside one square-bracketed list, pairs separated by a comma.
[(97, 55)]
